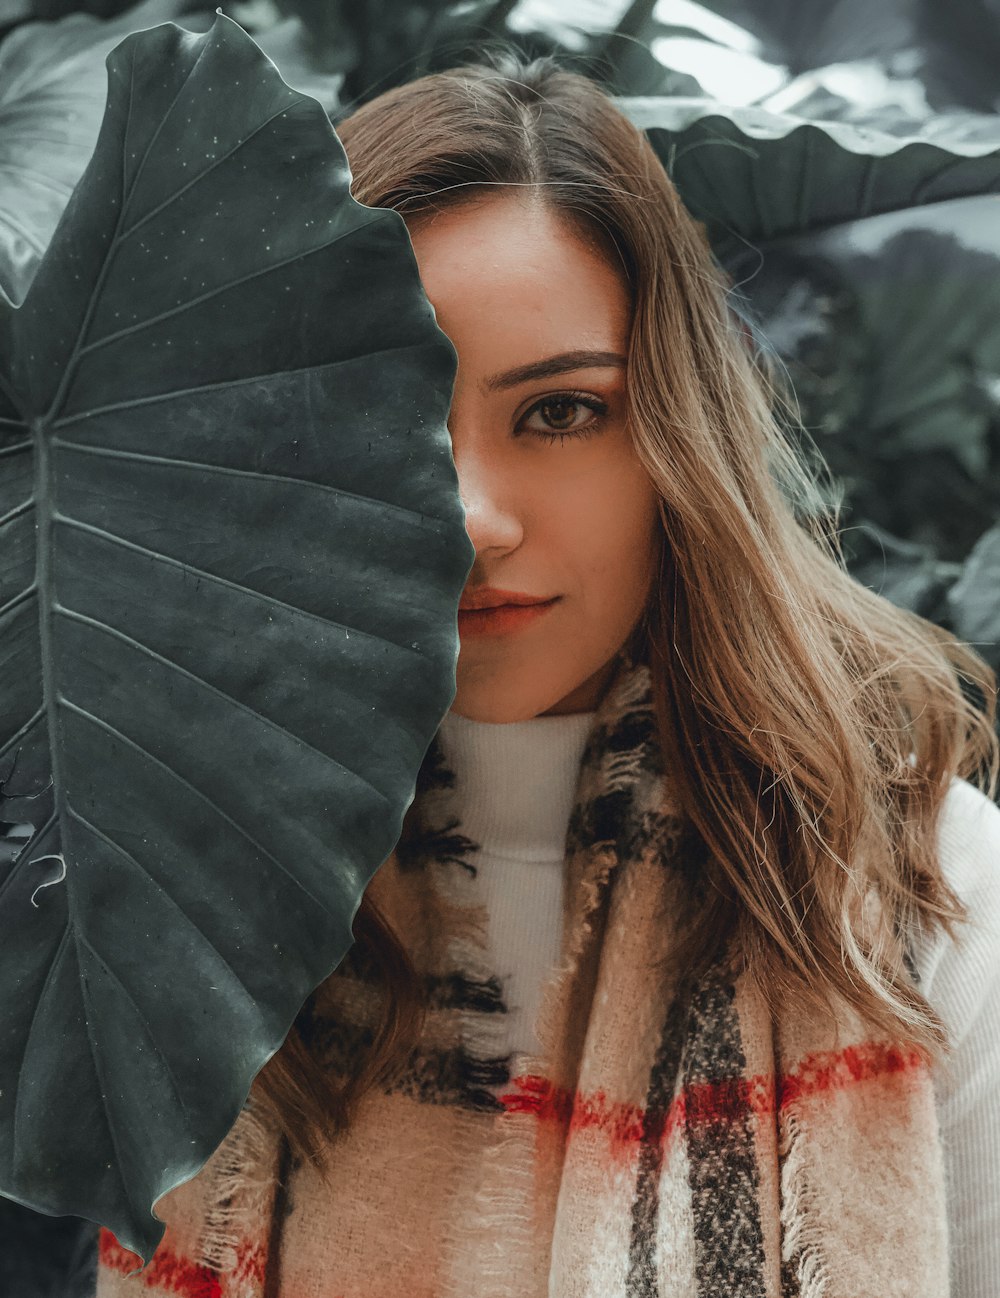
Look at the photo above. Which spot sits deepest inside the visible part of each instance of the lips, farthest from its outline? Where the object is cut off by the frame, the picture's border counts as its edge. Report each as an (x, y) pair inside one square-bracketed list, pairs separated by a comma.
[(492, 597), (501, 619)]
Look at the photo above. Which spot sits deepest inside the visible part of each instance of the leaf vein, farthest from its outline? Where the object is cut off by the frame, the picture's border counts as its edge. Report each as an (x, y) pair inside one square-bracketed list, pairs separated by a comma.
[(225, 581), (176, 775), (201, 175), (102, 1083), (142, 1019), (223, 385), (47, 983), (172, 901), (203, 466), (131, 330), (127, 193), (17, 511), (19, 598), (28, 726), (131, 641)]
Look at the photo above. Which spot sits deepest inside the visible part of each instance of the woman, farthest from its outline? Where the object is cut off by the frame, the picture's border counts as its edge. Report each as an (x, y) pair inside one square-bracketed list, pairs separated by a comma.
[(664, 990)]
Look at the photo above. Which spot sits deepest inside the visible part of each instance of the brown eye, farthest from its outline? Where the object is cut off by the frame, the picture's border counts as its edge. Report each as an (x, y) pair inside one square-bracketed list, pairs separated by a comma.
[(561, 413), (564, 414)]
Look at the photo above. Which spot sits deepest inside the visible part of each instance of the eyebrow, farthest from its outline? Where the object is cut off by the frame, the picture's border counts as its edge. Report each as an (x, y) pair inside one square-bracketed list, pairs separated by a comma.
[(561, 364)]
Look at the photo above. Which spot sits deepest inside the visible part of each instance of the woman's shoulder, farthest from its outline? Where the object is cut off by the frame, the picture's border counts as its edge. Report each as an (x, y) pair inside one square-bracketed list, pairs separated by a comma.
[(962, 978), (969, 835), (969, 852)]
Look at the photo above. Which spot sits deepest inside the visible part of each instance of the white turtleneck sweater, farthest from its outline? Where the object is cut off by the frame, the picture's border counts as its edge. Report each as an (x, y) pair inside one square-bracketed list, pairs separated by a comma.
[(515, 790)]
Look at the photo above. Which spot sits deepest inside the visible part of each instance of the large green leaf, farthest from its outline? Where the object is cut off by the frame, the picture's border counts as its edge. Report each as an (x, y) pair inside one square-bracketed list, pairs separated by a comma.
[(974, 600), (889, 331), (803, 34), (959, 47), (754, 176), (53, 87), (52, 91), (231, 550)]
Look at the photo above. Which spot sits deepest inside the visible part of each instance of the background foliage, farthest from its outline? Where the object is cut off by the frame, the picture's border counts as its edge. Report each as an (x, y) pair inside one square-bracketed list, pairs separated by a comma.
[(888, 327)]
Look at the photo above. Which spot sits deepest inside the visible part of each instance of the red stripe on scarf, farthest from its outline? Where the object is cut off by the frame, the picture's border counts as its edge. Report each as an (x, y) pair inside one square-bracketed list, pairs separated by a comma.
[(166, 1270), (724, 1101)]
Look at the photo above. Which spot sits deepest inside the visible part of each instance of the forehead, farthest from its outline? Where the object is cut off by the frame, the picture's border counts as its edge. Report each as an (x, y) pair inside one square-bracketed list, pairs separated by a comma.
[(508, 269)]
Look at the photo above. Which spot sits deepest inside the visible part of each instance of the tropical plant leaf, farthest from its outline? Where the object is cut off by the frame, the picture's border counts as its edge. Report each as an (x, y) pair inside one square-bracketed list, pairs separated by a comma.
[(754, 177), (974, 600), (804, 34), (231, 550), (46, 1257), (53, 87), (924, 279), (958, 47), (15, 11), (889, 331)]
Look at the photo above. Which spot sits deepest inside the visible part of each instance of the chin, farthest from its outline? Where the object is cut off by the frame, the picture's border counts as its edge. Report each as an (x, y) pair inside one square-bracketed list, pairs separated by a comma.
[(497, 715), (495, 706)]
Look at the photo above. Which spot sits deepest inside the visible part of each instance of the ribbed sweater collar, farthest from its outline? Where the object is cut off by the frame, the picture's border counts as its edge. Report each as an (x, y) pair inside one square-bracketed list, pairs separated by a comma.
[(515, 782)]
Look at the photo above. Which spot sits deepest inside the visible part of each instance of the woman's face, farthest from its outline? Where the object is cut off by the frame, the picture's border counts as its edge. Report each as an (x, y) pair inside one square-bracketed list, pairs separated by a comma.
[(540, 322)]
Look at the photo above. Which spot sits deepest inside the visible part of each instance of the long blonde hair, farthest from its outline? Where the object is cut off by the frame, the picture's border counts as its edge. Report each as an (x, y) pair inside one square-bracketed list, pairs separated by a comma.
[(812, 728)]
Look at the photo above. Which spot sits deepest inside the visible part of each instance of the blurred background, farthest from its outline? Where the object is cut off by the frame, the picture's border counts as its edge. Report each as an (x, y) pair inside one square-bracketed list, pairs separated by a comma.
[(844, 157)]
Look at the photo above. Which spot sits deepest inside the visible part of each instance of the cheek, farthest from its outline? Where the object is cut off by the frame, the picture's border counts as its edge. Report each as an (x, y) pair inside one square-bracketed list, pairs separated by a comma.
[(618, 529)]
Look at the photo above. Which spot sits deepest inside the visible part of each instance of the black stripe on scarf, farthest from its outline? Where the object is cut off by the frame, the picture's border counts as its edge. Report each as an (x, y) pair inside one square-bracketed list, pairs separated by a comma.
[(421, 840), (790, 1287), (725, 1186), (454, 990), (433, 1076), (641, 1279)]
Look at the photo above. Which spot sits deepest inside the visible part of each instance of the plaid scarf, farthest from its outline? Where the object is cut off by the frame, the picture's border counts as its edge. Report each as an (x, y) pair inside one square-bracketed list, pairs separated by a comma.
[(671, 1141)]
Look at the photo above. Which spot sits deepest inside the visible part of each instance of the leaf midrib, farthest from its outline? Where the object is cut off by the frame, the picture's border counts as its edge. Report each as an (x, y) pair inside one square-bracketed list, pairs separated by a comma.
[(45, 587)]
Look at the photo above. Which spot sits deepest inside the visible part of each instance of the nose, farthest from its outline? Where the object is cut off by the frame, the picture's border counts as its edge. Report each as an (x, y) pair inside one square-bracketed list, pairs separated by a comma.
[(489, 494)]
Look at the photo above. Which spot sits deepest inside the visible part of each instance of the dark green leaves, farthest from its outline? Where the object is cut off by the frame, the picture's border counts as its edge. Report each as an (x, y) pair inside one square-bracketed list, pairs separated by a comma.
[(758, 176), (53, 87), (231, 549), (977, 619), (52, 92)]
